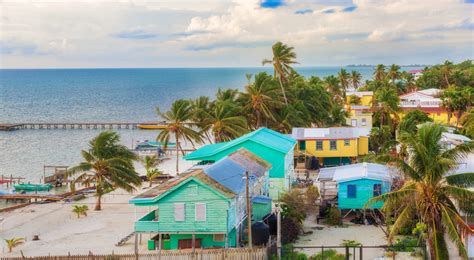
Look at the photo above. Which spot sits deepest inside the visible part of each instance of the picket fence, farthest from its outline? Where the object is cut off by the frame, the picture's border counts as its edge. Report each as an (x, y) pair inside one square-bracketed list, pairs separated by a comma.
[(209, 254)]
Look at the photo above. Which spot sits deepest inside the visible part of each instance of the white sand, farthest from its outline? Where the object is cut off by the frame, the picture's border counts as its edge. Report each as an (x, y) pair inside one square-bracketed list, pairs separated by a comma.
[(60, 231)]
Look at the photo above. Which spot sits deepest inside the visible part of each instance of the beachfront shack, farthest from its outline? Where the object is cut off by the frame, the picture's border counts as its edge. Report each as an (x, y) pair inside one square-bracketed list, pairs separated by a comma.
[(357, 183), (205, 207), (273, 147), (333, 146)]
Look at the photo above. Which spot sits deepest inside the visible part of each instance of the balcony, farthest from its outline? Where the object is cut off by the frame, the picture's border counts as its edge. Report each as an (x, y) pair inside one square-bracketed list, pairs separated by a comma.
[(421, 103), (149, 222)]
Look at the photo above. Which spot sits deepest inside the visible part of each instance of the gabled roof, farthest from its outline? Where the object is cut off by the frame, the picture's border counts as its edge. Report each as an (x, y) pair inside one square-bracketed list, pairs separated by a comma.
[(357, 171), (231, 170), (263, 136), (329, 133)]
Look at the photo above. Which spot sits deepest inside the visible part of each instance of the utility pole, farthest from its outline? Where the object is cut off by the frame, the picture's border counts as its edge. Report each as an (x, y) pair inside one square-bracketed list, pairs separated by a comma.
[(249, 209), (278, 211)]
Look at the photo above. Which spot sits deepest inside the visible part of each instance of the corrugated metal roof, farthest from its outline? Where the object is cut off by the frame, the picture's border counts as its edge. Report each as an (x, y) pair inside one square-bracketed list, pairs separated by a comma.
[(357, 171), (263, 136), (330, 133), (262, 199)]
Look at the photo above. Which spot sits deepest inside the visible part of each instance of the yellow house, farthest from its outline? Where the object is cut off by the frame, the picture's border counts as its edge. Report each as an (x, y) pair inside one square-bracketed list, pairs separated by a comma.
[(427, 101), (360, 114), (333, 146)]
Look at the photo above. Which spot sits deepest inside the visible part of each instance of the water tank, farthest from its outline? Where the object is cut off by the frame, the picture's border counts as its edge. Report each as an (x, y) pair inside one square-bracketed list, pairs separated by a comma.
[(260, 233), (271, 220)]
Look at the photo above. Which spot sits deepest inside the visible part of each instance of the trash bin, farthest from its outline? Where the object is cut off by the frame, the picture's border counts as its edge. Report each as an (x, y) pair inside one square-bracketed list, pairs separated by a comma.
[(151, 244)]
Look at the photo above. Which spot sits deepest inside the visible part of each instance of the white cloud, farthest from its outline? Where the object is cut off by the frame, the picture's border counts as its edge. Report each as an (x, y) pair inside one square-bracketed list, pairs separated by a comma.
[(231, 33)]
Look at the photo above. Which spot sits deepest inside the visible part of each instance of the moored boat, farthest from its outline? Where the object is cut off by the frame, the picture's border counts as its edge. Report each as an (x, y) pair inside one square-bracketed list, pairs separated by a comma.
[(153, 126), (32, 187)]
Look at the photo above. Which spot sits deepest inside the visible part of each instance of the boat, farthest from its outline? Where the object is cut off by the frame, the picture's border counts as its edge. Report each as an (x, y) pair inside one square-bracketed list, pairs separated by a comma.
[(152, 145), (153, 126), (32, 187)]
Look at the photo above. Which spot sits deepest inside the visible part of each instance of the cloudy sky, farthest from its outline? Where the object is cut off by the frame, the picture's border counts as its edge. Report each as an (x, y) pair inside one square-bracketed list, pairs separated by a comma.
[(229, 33)]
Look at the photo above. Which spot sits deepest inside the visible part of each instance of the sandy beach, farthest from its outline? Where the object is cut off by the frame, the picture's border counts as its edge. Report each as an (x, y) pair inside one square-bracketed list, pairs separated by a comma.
[(61, 232)]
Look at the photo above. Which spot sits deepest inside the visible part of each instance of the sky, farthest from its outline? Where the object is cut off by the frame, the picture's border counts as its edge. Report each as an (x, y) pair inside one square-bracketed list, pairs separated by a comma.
[(232, 33)]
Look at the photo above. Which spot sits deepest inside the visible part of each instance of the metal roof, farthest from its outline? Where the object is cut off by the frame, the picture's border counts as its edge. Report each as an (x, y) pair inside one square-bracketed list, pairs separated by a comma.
[(263, 136), (357, 171), (330, 133)]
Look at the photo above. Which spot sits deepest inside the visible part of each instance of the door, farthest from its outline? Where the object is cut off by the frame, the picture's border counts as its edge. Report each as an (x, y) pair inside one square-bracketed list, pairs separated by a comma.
[(188, 243), (354, 122)]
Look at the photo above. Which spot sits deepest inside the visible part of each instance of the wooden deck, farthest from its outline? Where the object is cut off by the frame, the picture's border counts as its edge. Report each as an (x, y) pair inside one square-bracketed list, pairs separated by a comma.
[(31, 196), (70, 125)]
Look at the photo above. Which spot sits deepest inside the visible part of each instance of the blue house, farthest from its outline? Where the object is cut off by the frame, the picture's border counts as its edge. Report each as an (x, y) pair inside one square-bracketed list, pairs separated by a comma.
[(271, 146), (205, 207), (357, 183)]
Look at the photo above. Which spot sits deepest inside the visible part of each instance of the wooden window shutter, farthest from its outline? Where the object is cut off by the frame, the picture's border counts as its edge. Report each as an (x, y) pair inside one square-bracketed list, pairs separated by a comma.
[(179, 214), (200, 211)]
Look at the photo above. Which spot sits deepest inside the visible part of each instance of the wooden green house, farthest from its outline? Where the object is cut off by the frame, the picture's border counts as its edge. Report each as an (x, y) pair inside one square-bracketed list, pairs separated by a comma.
[(357, 183), (205, 206), (275, 148)]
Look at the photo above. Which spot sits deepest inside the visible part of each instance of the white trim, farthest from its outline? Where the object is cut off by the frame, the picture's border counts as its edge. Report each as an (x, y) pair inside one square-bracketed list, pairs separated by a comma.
[(196, 205)]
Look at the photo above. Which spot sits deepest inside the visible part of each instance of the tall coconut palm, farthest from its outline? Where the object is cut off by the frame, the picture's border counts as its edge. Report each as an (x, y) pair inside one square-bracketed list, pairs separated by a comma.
[(200, 106), (227, 95), (431, 190), (409, 80), (225, 121), (394, 72), (333, 86), (385, 104), (344, 80), (379, 72), (355, 79), (150, 162), (283, 57), (179, 125), (261, 98), (108, 164), (446, 70)]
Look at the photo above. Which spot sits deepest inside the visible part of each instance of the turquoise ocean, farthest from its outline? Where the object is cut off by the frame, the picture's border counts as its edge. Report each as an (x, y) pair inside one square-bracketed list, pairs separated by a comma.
[(100, 95)]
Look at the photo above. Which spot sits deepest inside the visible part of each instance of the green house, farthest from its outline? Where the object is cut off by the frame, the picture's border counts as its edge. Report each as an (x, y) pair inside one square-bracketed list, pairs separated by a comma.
[(273, 147), (205, 206), (358, 183)]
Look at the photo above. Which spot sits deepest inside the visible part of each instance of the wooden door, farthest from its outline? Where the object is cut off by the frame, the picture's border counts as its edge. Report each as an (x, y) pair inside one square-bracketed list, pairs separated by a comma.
[(188, 243)]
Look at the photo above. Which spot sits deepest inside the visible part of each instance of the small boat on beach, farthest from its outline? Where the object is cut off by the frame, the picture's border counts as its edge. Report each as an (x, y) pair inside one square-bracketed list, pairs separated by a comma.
[(33, 187), (153, 126), (151, 145)]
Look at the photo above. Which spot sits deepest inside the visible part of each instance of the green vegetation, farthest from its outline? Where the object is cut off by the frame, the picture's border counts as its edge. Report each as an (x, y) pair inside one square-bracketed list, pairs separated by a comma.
[(350, 243), (80, 210), (150, 163), (329, 254), (334, 217), (428, 191), (14, 242), (108, 164)]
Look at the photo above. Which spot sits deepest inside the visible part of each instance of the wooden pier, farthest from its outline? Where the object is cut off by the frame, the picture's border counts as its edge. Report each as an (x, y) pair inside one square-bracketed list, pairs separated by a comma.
[(90, 125)]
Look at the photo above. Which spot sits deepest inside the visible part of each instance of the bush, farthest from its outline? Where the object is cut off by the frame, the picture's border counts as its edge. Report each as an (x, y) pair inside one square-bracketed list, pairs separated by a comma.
[(311, 195), (350, 243), (290, 230), (334, 217), (330, 254), (406, 244), (78, 197), (289, 254)]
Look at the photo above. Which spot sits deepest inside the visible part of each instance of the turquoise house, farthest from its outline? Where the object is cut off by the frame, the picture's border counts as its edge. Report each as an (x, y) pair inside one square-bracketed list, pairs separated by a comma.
[(273, 147), (205, 207), (357, 183)]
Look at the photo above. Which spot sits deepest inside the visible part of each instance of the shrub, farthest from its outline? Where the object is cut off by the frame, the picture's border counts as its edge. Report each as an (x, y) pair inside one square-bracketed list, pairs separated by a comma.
[(334, 217), (406, 244), (350, 243), (80, 210), (311, 195), (329, 254), (290, 230)]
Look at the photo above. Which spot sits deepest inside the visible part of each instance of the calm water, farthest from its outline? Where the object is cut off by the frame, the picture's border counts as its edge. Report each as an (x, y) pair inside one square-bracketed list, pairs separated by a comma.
[(87, 95)]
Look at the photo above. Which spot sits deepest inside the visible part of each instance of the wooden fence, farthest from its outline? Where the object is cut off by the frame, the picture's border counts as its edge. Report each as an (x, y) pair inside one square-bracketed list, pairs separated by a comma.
[(208, 254)]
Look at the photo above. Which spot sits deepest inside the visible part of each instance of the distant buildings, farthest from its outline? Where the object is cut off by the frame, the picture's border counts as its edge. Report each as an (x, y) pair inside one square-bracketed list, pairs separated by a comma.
[(205, 207), (416, 73), (275, 148), (358, 105), (333, 146)]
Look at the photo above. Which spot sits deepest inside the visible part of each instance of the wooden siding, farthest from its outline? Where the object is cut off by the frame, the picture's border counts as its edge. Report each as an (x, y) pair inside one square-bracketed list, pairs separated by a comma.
[(364, 190)]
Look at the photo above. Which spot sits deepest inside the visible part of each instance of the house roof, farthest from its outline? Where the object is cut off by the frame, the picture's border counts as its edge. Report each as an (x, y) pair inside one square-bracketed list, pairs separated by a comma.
[(357, 171), (263, 136), (330, 133), (360, 93), (230, 171), (425, 93)]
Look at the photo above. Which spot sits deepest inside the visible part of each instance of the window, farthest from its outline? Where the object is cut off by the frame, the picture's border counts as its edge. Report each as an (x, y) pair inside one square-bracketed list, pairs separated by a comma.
[(364, 122), (354, 122), (192, 190), (333, 145), (302, 145), (155, 218), (219, 238), (347, 142), (377, 190), (179, 213), (319, 145), (351, 191), (200, 211)]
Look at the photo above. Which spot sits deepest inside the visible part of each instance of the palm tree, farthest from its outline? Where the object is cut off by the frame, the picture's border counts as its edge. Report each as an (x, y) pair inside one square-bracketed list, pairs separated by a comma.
[(283, 57), (293, 115), (431, 190), (108, 164), (225, 121), (261, 98), (385, 104), (467, 122), (355, 79), (199, 107), (80, 210), (332, 85), (379, 73), (150, 163), (344, 78), (446, 70), (394, 72), (14, 242), (227, 94), (338, 116), (180, 125), (410, 83)]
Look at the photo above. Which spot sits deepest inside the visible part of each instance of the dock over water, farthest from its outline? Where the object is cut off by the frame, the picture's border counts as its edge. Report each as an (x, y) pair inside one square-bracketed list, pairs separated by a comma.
[(79, 125)]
